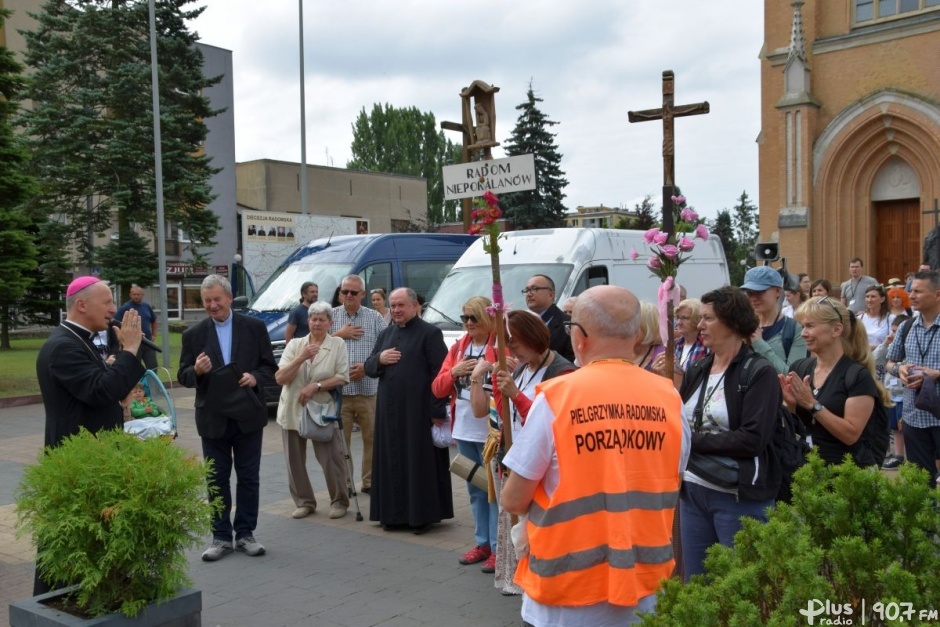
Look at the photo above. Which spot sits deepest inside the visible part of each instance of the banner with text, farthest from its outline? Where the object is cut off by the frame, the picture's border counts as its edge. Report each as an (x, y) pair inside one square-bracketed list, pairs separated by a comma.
[(512, 174)]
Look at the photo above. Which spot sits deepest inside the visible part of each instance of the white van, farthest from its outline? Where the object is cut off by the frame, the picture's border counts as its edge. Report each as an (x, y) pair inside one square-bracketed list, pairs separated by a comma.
[(575, 259)]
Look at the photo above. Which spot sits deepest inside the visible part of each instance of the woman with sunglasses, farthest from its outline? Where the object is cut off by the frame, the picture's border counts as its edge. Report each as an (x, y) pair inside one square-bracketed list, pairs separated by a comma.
[(470, 433), (834, 391), (378, 303), (876, 317), (533, 361)]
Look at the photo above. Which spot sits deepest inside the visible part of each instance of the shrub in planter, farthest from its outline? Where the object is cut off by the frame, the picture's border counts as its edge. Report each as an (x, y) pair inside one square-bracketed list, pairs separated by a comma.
[(850, 534), (114, 515)]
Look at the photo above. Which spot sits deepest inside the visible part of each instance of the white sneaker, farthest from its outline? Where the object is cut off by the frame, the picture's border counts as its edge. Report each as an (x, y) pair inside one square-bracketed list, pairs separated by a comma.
[(337, 512), (218, 550), (303, 512), (249, 546)]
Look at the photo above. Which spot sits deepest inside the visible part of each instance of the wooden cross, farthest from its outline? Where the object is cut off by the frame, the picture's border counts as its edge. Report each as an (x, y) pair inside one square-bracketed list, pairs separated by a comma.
[(667, 113), (935, 211)]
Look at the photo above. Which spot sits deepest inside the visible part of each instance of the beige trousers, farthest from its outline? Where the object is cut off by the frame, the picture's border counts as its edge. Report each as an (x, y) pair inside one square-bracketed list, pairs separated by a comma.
[(329, 455), (361, 409)]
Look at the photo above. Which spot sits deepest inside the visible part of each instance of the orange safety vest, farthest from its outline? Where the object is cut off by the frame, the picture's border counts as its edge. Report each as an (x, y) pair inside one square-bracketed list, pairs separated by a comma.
[(605, 534)]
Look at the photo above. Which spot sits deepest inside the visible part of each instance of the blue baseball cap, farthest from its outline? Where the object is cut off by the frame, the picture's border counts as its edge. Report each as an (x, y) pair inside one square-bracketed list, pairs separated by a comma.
[(762, 278)]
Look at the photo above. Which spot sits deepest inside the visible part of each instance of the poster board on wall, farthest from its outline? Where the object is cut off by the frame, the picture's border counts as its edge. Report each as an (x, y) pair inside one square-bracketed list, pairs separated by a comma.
[(269, 237)]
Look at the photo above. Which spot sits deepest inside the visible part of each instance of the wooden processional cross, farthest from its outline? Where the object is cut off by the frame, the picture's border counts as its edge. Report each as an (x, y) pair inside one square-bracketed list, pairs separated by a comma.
[(667, 113)]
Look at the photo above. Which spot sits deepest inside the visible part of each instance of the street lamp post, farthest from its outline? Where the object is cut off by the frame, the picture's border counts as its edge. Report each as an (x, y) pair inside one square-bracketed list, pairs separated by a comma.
[(158, 177)]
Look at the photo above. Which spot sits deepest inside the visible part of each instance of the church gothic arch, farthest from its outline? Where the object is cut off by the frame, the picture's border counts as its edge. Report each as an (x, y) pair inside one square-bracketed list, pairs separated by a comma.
[(880, 134)]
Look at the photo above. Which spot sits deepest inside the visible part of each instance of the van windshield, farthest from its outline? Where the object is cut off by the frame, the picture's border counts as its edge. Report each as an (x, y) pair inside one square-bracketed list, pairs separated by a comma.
[(464, 283), (281, 292)]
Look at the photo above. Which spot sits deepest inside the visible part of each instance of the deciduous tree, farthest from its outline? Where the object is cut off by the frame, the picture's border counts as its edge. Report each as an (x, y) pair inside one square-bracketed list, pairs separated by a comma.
[(403, 141)]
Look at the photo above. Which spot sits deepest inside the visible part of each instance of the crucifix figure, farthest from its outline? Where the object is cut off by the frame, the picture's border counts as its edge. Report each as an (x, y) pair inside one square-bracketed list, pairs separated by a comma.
[(667, 113)]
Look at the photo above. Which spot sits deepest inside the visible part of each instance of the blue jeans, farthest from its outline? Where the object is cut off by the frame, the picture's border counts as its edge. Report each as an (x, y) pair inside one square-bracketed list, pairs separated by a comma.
[(244, 451), (707, 517), (485, 514)]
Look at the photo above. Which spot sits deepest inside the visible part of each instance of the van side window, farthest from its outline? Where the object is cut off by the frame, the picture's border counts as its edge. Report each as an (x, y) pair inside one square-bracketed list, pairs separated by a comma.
[(424, 277), (595, 275), (376, 275)]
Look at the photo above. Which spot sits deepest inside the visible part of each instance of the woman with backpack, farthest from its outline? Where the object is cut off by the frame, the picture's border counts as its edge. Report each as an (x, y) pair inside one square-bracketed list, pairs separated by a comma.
[(729, 400), (835, 392)]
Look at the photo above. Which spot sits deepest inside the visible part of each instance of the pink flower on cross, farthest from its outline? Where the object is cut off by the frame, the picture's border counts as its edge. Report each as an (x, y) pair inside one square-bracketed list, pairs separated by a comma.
[(701, 231), (685, 244), (688, 214), (670, 251), (661, 238), (649, 235), (653, 263), (634, 255), (678, 200)]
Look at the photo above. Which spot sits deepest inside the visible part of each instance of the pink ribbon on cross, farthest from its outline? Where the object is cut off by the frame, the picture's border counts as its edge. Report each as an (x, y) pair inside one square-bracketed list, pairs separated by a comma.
[(668, 290)]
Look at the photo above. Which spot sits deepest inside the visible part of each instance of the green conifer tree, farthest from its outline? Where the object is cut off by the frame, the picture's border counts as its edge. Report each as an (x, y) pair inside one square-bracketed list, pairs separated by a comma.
[(541, 207), (91, 127), (17, 252)]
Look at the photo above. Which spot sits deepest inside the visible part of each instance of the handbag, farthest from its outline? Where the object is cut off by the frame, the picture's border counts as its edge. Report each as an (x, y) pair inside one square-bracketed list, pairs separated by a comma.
[(718, 470), (442, 434), (316, 423), (927, 398), (318, 420)]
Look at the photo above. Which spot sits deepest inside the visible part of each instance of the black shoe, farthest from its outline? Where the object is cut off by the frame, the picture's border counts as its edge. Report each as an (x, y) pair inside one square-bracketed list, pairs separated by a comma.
[(366, 490), (392, 527), (423, 529), (892, 463)]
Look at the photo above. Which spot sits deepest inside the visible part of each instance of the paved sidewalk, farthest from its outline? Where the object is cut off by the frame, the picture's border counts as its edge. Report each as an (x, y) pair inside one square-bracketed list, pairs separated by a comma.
[(316, 571)]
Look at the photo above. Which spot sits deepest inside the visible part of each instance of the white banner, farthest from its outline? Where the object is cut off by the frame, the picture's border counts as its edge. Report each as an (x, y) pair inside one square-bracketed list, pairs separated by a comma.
[(499, 176)]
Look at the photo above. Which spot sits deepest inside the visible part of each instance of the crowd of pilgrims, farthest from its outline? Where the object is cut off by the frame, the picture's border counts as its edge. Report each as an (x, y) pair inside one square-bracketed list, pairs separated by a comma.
[(828, 349)]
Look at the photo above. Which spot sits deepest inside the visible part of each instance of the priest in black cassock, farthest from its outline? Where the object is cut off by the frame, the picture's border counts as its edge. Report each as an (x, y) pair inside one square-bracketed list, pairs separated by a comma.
[(410, 478)]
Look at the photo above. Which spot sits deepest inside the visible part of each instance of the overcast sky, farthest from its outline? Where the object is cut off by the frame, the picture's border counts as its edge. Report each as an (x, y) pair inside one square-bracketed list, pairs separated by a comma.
[(590, 61)]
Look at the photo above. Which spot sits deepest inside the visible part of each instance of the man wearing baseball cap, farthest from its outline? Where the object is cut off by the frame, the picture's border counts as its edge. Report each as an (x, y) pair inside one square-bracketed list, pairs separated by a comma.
[(778, 338), (78, 389)]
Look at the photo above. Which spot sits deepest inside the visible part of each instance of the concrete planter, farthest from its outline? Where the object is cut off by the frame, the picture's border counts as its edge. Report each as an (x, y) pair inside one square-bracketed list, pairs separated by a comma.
[(183, 610)]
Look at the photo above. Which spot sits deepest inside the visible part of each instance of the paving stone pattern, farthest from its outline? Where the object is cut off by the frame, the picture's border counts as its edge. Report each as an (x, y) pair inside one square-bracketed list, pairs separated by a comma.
[(316, 571)]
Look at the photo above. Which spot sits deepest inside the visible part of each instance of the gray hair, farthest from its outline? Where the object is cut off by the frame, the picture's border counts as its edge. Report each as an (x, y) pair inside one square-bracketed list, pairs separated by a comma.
[(320, 307), (80, 294), (412, 296), (216, 279), (354, 277)]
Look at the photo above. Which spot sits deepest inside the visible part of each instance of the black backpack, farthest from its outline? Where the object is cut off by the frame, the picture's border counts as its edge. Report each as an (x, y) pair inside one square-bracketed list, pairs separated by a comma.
[(789, 439)]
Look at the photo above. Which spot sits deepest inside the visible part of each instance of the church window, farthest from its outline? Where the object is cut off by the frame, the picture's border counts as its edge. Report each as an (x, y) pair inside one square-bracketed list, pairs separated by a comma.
[(872, 10)]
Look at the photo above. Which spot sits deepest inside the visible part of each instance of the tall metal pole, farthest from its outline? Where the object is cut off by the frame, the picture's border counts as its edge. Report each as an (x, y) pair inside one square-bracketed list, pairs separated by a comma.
[(158, 178), (303, 118)]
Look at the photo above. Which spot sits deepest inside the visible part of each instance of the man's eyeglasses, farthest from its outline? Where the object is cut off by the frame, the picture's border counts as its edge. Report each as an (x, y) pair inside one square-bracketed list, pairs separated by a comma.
[(534, 288), (349, 292), (471, 318), (570, 323)]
